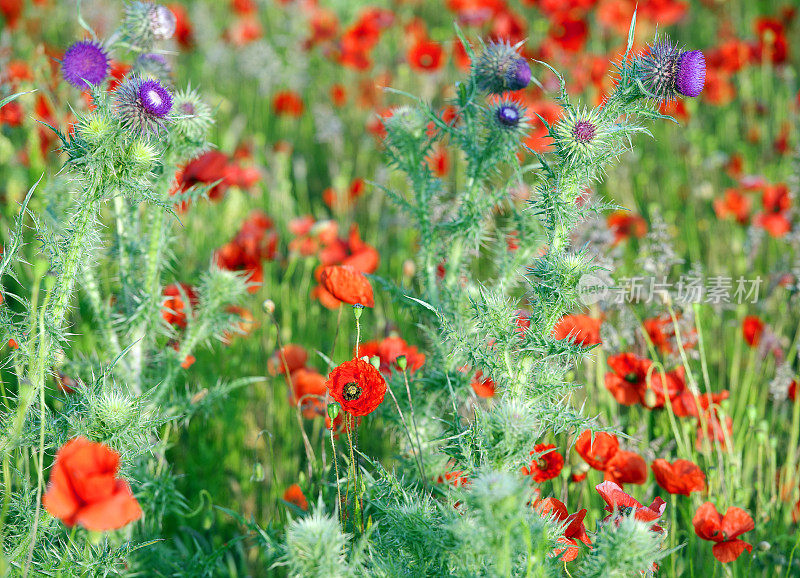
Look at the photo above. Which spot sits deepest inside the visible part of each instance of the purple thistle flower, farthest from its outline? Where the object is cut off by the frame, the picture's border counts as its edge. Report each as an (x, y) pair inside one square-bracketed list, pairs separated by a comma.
[(518, 75), (667, 71), (84, 63), (154, 98), (508, 115), (691, 73), (143, 104), (584, 131)]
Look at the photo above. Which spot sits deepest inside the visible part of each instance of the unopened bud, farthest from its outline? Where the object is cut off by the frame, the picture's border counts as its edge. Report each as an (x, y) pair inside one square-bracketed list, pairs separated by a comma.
[(333, 410), (375, 361), (269, 306), (402, 362), (764, 546), (650, 399), (409, 268)]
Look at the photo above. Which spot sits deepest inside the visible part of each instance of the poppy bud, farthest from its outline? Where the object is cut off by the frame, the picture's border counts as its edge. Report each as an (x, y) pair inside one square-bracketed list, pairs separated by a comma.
[(269, 306), (650, 399), (375, 361), (409, 268), (764, 546), (333, 410), (402, 362)]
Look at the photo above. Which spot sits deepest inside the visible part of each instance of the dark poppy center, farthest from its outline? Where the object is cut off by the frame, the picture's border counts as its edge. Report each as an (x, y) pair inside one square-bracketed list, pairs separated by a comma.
[(631, 377), (351, 391)]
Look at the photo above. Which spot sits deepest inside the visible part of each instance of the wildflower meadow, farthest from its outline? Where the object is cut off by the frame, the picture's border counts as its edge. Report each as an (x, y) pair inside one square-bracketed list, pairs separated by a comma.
[(400, 288)]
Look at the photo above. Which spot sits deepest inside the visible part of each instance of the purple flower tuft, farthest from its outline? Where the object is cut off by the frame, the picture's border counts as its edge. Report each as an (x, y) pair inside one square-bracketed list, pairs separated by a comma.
[(84, 63), (584, 131), (508, 115), (691, 75), (518, 75), (155, 99)]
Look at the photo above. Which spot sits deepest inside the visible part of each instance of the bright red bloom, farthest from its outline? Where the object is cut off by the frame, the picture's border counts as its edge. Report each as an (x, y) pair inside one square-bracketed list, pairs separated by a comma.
[(548, 465), (625, 225), (388, 350), (685, 404), (725, 530), (84, 489), (569, 33), (598, 452), (296, 357), (11, 11), (308, 389), (581, 329), (255, 242), (628, 379), (348, 285), (294, 495), (357, 386), (670, 387), (574, 529), (455, 478), (680, 477), (733, 204), (288, 103), (482, 386), (11, 114), (626, 467), (183, 26), (624, 504), (715, 430), (752, 329), (772, 43), (174, 309), (425, 56)]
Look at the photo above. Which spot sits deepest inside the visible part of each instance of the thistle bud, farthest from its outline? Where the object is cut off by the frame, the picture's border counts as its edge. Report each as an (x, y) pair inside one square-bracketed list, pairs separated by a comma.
[(666, 71), (146, 22), (192, 116), (500, 68), (153, 66), (142, 155), (85, 63), (581, 136), (95, 129)]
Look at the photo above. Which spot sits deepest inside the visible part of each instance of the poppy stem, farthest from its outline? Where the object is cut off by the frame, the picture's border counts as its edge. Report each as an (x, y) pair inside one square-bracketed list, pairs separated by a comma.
[(417, 457), (416, 430), (336, 472), (311, 458)]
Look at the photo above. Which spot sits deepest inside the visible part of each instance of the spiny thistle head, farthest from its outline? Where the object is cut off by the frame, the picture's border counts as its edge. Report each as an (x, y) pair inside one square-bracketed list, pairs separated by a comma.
[(142, 155), (112, 411), (95, 128), (143, 104), (500, 68), (146, 22), (153, 66), (315, 546), (666, 71), (192, 115), (581, 136), (85, 63)]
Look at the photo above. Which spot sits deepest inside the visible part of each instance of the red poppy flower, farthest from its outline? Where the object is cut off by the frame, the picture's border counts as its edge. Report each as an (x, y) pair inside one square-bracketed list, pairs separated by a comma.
[(548, 465), (574, 529), (84, 489), (569, 33), (626, 467), (183, 26), (715, 431), (208, 168), (725, 530), (308, 387), (679, 477), (388, 350), (288, 103), (685, 403), (627, 381), (776, 224), (670, 387), (294, 495), (357, 386), (733, 204), (598, 452), (11, 114), (752, 329), (581, 329), (617, 500), (296, 357), (11, 11), (348, 285), (625, 225), (482, 386), (174, 309), (455, 478), (772, 43), (425, 56)]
